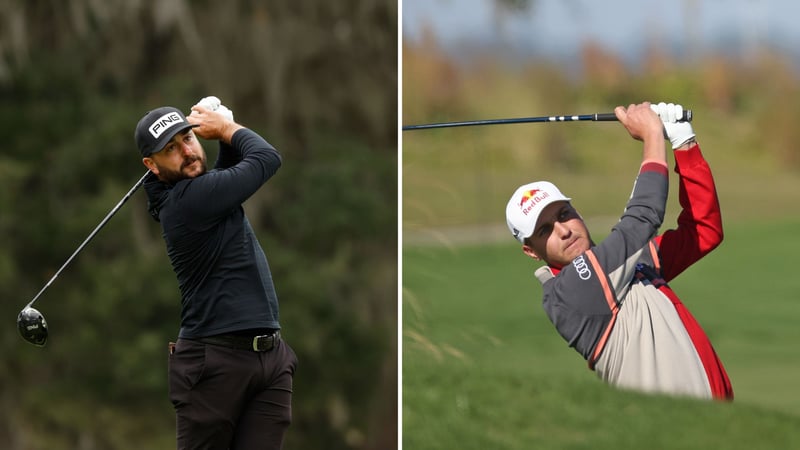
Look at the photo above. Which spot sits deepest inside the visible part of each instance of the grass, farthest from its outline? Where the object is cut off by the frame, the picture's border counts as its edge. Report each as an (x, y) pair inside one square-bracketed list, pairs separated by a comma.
[(484, 368), (482, 365)]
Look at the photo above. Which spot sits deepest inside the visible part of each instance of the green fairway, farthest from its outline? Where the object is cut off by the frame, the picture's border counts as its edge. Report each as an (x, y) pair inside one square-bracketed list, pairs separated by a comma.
[(483, 368)]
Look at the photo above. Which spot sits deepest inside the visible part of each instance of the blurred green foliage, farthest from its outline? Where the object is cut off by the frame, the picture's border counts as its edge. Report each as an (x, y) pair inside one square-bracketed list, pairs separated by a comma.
[(317, 80), (744, 119)]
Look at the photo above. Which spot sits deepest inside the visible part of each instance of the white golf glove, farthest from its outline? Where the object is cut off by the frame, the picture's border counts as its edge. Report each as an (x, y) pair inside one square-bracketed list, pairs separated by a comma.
[(676, 131), (214, 104)]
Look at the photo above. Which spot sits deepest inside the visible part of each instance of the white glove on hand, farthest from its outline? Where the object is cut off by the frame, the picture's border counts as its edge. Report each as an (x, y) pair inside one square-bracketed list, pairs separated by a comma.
[(677, 132), (214, 104)]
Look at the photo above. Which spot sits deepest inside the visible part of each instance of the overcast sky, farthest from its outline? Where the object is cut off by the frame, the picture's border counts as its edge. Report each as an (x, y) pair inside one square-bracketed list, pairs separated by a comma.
[(557, 28)]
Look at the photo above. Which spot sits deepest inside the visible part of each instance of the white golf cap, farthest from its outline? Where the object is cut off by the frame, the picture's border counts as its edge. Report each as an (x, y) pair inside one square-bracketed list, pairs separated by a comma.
[(527, 203)]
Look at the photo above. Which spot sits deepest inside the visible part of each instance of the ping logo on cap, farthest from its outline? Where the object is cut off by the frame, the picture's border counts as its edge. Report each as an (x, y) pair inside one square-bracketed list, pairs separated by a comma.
[(163, 123)]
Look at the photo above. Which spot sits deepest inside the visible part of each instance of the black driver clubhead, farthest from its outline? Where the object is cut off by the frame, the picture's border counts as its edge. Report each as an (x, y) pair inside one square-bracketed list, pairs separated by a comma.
[(32, 326)]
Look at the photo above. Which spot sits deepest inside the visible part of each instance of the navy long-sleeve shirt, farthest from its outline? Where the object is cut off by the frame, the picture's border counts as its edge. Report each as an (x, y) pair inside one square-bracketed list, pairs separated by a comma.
[(223, 275)]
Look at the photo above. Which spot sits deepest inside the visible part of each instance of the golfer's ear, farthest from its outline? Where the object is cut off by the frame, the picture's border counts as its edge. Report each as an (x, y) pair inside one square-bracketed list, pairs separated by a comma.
[(150, 164), (528, 250)]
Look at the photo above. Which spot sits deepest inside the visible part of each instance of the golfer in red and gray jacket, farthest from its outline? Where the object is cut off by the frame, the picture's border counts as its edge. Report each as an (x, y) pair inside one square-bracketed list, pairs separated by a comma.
[(611, 302)]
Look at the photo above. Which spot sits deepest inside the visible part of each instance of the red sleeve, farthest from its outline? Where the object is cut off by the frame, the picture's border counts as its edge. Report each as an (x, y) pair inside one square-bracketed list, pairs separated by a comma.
[(700, 222)]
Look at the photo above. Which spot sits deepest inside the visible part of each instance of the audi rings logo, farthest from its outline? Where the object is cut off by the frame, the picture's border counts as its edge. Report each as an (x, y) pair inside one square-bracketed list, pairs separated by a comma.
[(582, 268)]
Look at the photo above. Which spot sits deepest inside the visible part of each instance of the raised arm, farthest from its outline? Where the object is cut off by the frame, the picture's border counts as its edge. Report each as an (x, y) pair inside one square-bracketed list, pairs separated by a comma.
[(250, 161), (644, 125), (228, 155), (700, 222), (645, 209)]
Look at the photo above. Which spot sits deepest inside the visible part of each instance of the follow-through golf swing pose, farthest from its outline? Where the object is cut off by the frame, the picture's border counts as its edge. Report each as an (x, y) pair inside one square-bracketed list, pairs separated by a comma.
[(230, 373), (611, 301)]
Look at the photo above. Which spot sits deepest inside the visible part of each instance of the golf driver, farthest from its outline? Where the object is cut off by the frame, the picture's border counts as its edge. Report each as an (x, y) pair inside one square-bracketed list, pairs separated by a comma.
[(30, 322), (599, 117)]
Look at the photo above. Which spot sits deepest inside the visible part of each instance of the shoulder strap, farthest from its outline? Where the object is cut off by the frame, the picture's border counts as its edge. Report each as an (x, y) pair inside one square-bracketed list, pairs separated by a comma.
[(652, 273), (613, 305), (654, 255)]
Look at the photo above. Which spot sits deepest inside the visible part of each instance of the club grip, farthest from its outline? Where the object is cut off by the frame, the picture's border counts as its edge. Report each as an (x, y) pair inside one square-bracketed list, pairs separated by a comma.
[(605, 117), (610, 117)]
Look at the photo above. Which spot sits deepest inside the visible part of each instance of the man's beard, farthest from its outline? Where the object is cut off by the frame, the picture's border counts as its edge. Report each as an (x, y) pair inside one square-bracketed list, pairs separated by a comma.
[(174, 176)]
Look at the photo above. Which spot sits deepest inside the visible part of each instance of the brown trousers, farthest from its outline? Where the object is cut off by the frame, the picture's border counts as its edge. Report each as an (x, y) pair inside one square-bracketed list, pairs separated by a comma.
[(231, 399)]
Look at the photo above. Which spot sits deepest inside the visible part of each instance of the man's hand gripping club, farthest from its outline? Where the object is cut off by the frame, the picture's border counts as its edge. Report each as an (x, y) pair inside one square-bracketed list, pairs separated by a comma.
[(643, 124), (214, 121)]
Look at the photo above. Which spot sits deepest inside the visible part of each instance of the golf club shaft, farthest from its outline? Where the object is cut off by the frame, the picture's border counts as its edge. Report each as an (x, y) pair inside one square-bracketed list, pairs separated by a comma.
[(92, 234), (599, 117)]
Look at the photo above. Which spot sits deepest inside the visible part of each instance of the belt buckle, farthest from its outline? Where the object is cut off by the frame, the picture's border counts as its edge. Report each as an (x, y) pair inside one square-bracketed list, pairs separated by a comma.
[(256, 347)]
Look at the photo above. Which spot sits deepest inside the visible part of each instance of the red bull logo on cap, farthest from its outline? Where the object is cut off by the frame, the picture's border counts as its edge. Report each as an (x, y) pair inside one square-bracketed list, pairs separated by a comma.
[(534, 196), (527, 196)]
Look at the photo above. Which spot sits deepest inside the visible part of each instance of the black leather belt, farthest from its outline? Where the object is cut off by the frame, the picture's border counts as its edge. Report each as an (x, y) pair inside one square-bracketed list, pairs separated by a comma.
[(260, 343)]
